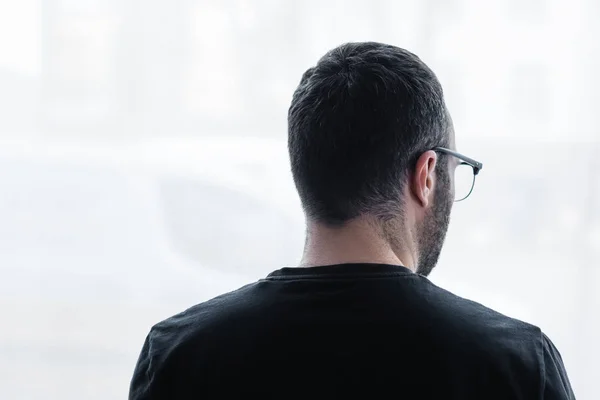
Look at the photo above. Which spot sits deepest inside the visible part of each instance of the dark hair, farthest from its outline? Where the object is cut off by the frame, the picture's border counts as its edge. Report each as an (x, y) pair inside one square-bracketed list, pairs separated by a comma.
[(358, 122)]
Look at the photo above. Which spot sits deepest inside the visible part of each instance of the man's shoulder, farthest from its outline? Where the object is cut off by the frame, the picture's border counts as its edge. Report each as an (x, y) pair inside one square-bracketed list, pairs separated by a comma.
[(515, 349), (186, 342), (204, 317), (486, 329)]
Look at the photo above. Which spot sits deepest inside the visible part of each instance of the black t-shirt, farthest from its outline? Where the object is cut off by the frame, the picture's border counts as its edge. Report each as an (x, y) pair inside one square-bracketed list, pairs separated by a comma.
[(346, 331)]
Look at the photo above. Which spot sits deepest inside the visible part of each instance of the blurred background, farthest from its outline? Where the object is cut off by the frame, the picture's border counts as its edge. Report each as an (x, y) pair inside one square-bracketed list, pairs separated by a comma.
[(143, 166)]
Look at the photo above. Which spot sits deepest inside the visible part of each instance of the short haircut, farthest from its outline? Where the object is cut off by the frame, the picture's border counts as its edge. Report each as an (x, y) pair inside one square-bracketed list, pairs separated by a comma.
[(357, 124)]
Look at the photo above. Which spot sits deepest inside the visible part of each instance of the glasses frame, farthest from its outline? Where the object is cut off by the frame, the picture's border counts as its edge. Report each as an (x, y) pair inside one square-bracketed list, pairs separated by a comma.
[(476, 165)]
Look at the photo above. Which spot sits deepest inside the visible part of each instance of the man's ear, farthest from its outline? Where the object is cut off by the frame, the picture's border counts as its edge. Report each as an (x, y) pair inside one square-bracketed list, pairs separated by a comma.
[(423, 178)]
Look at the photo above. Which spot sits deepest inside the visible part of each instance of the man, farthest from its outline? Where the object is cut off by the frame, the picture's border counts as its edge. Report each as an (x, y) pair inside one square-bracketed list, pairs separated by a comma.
[(373, 157)]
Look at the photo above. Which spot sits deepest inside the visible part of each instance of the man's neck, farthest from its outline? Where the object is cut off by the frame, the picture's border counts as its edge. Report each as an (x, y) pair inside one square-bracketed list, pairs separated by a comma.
[(358, 241)]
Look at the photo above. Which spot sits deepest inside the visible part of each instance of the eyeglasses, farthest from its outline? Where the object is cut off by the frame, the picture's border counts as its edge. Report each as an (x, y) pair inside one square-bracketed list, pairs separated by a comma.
[(465, 174)]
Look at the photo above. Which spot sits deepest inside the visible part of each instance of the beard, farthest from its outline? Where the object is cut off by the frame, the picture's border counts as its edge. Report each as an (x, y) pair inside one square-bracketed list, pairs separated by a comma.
[(431, 233)]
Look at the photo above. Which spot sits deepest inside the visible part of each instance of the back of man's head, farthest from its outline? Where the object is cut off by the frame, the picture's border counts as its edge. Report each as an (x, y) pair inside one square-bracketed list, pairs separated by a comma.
[(357, 123)]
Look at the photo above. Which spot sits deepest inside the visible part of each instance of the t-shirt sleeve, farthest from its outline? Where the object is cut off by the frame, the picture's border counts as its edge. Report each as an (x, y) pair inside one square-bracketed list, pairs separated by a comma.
[(556, 382), (141, 381), (150, 380)]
